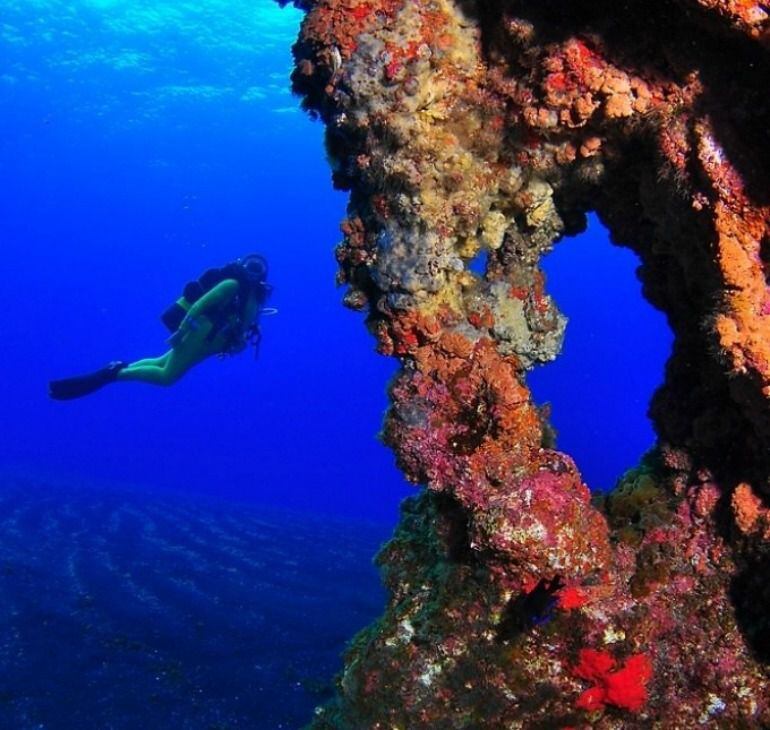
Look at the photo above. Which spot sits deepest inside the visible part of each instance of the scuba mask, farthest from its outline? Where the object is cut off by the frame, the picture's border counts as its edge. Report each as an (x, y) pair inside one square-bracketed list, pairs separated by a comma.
[(255, 268)]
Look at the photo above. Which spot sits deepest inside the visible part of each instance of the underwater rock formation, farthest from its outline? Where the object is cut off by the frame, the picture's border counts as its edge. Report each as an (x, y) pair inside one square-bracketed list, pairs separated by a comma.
[(472, 132)]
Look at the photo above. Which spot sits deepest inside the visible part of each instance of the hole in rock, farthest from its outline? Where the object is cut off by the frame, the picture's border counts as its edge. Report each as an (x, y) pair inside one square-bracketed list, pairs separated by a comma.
[(478, 264), (613, 357)]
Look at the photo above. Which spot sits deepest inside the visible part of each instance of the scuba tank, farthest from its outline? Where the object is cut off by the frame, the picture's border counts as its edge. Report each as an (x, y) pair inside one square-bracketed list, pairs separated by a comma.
[(174, 314)]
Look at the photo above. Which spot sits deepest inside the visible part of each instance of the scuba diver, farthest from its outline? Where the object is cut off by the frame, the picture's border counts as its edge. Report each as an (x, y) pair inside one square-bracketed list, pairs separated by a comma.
[(217, 315)]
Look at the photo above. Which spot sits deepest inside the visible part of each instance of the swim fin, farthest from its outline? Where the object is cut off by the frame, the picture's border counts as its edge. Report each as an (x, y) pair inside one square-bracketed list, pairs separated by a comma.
[(81, 385)]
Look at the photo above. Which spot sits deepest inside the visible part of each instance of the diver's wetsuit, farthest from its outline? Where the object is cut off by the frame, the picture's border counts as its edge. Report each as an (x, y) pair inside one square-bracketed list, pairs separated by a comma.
[(215, 324), (210, 330)]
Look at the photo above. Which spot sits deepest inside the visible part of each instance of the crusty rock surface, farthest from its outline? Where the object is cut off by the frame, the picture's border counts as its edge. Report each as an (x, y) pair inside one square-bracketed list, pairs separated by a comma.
[(472, 133)]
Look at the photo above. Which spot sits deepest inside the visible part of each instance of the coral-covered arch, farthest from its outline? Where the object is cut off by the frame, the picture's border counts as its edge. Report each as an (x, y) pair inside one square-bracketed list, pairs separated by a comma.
[(464, 126)]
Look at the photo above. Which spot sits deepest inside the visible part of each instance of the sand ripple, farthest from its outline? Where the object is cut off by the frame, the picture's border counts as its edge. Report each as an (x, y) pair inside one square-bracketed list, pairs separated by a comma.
[(125, 611)]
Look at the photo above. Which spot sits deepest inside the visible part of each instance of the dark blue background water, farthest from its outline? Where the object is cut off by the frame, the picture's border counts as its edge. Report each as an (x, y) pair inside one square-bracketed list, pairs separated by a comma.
[(141, 143)]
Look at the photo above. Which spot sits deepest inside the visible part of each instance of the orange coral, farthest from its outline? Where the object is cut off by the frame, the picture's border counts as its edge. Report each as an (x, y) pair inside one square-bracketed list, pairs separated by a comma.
[(749, 513)]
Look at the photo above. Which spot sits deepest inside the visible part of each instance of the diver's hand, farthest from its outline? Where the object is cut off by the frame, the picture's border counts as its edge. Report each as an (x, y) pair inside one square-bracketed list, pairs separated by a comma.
[(188, 324)]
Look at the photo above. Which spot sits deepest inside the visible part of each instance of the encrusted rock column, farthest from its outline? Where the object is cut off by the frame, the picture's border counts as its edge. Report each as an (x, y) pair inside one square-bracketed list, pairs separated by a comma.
[(472, 136)]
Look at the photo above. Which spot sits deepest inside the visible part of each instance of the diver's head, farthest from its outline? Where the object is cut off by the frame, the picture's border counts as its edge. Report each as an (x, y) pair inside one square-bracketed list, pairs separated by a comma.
[(255, 268)]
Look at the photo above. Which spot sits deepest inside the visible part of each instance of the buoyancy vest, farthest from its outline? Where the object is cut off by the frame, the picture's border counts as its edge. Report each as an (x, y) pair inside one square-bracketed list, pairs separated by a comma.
[(174, 314)]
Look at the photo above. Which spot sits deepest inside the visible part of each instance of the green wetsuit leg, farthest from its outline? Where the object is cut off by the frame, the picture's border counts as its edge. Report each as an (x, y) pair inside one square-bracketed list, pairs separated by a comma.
[(169, 368), (157, 362), (148, 370)]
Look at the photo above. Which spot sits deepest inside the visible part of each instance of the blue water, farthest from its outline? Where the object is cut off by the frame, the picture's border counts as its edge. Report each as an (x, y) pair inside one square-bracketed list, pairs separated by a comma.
[(141, 143), (614, 351), (147, 142)]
